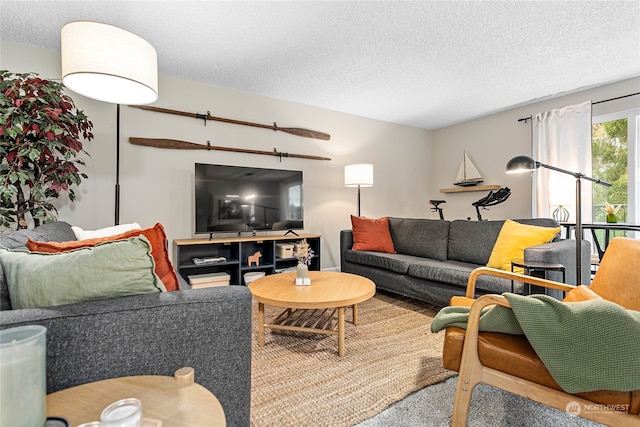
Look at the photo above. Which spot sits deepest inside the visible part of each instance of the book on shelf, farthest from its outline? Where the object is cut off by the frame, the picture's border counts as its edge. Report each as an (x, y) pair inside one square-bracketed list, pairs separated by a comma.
[(209, 285), (208, 260), (208, 280)]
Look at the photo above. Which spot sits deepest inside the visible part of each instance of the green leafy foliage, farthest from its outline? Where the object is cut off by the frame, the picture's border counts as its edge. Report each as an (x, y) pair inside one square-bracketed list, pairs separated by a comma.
[(41, 138), (609, 146)]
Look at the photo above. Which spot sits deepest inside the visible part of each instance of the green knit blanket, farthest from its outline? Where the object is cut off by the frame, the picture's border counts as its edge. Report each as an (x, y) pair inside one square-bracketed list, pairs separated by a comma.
[(589, 345)]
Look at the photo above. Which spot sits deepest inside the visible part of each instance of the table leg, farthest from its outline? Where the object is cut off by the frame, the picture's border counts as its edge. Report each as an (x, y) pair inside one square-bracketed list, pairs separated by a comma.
[(355, 314), (341, 331), (260, 324)]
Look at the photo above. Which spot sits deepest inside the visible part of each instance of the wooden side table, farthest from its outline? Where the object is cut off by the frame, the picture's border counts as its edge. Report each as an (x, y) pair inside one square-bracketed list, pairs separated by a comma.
[(176, 401), (537, 269)]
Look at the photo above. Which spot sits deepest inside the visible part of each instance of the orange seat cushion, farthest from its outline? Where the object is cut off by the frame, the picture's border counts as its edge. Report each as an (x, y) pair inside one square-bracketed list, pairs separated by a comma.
[(156, 236)]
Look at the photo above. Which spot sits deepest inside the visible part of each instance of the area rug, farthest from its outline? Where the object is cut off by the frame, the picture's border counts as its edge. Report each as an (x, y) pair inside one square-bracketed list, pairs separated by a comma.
[(299, 379)]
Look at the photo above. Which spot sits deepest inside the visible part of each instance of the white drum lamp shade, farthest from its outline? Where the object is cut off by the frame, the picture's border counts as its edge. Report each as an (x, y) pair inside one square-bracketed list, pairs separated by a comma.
[(358, 175), (109, 64)]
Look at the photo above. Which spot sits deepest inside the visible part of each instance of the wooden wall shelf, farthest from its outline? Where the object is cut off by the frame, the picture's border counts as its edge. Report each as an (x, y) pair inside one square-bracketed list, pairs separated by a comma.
[(472, 188)]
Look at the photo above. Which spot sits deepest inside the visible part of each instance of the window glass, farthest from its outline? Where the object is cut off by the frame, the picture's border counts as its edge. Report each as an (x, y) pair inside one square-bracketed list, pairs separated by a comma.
[(614, 152)]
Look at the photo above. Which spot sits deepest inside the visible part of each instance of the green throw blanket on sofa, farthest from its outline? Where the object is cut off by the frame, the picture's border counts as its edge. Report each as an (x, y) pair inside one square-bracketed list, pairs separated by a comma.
[(589, 345)]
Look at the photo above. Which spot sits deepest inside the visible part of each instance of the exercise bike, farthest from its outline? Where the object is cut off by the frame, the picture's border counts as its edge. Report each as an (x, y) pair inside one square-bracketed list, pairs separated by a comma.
[(436, 207), (491, 199)]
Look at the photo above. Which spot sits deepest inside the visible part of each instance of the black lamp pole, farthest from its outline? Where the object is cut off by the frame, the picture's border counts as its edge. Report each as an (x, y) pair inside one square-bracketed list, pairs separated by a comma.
[(527, 164), (117, 195)]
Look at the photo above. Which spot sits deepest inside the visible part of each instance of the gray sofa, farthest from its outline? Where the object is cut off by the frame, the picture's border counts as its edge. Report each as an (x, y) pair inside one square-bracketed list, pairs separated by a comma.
[(434, 258), (152, 334)]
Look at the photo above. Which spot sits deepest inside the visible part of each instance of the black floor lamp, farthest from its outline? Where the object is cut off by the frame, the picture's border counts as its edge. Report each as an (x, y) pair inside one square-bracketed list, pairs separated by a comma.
[(112, 65), (527, 164)]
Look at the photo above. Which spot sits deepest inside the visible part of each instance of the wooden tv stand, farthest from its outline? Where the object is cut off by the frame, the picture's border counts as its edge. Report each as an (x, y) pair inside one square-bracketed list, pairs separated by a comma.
[(236, 251)]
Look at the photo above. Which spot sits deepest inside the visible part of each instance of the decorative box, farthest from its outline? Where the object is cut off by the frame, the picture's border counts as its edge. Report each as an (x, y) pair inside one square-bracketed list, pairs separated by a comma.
[(284, 250)]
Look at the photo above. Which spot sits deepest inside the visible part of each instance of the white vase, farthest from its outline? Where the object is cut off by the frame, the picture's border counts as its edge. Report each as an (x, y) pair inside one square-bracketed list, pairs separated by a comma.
[(302, 275)]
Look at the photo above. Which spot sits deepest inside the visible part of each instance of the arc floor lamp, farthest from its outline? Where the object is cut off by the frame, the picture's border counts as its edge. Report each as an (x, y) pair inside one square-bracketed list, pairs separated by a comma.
[(109, 64), (527, 164)]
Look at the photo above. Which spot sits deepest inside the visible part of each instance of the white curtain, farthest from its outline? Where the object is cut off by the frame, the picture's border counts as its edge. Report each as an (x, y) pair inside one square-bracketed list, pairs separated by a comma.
[(562, 138)]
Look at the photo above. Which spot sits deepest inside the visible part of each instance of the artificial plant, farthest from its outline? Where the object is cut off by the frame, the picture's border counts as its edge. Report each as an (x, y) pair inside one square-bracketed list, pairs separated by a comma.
[(41, 138)]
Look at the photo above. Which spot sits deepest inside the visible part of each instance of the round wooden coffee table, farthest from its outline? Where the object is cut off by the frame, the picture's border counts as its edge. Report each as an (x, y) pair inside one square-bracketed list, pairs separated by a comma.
[(311, 308)]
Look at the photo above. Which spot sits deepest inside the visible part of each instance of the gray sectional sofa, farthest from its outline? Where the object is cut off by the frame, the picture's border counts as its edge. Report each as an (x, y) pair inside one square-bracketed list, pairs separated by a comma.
[(434, 258), (152, 334)]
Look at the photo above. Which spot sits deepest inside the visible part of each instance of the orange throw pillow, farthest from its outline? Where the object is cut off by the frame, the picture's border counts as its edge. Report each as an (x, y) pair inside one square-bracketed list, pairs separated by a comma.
[(155, 235), (371, 235)]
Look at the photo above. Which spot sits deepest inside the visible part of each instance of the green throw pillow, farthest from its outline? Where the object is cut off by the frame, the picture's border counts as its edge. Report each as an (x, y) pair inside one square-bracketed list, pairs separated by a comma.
[(108, 270)]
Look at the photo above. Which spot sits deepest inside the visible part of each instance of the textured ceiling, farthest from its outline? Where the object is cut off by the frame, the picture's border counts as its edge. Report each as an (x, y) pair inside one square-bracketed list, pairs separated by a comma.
[(423, 64)]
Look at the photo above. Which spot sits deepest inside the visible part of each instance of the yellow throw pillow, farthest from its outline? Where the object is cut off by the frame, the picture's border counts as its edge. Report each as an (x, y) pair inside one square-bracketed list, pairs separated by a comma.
[(513, 239)]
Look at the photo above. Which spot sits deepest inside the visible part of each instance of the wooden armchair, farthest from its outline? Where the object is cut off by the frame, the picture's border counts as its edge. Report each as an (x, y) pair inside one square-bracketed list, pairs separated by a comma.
[(509, 362)]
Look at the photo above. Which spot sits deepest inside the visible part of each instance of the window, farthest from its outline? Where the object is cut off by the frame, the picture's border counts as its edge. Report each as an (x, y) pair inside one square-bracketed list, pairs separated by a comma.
[(615, 150), (294, 197)]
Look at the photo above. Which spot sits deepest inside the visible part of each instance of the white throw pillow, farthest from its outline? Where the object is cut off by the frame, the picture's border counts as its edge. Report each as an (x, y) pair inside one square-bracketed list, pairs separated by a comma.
[(103, 232)]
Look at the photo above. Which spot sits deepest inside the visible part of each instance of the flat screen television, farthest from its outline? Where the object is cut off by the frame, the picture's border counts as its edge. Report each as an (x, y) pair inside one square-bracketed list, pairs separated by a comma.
[(237, 199)]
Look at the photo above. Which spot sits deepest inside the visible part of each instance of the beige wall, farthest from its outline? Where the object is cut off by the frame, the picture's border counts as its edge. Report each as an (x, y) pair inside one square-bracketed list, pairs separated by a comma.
[(493, 140), (157, 185)]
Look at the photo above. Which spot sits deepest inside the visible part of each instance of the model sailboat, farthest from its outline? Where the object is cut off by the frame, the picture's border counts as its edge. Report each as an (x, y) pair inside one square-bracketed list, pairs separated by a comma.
[(468, 174)]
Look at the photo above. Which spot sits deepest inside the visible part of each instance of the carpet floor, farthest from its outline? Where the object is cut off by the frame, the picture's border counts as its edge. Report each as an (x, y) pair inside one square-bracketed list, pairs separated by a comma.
[(433, 406), (299, 379)]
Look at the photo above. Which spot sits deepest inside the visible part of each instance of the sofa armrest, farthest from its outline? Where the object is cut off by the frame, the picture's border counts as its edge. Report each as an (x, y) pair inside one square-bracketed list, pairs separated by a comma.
[(154, 334), (346, 243), (563, 252), (473, 277)]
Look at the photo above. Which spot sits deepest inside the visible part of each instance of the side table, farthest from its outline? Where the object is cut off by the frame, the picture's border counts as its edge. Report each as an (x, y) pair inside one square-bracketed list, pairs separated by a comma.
[(537, 269), (176, 401)]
